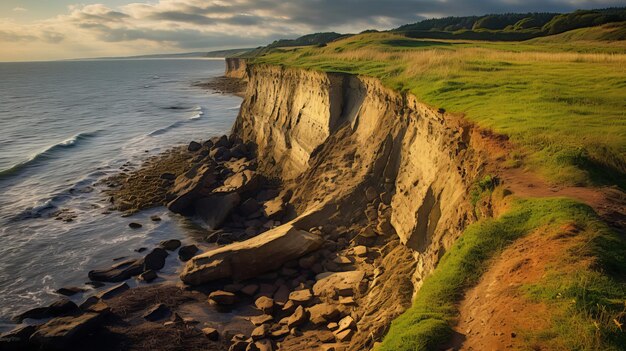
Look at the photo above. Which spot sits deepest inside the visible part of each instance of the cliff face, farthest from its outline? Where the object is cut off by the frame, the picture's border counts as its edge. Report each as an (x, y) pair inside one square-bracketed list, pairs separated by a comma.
[(235, 68), (337, 138)]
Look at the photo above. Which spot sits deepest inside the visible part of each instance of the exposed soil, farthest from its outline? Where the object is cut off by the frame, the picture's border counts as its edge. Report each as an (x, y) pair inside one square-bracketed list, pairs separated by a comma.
[(495, 314)]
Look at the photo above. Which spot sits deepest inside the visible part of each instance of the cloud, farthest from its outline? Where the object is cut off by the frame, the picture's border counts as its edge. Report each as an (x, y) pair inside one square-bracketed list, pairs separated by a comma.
[(19, 9), (171, 25)]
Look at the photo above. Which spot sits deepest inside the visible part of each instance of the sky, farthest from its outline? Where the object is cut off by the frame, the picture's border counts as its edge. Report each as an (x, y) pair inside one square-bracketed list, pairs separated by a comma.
[(60, 29)]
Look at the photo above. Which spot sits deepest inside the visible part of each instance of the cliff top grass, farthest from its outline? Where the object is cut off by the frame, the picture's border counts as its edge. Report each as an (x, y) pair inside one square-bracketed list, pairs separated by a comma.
[(560, 99)]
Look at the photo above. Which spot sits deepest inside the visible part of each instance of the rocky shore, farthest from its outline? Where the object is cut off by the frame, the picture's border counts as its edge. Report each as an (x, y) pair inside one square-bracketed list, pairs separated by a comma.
[(274, 277), (284, 281)]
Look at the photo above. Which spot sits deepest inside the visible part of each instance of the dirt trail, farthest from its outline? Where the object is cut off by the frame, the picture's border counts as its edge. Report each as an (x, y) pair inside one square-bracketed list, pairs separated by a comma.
[(495, 314)]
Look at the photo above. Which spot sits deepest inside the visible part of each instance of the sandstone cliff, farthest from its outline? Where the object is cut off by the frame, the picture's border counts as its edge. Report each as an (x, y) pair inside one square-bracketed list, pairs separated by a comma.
[(336, 139)]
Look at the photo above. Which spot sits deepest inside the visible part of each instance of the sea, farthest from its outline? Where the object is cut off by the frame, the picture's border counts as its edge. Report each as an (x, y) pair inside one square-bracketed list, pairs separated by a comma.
[(64, 126)]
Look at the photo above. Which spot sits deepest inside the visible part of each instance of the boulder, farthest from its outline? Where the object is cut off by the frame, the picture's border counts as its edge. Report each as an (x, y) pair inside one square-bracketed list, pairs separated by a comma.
[(155, 260), (323, 313), (134, 225), (220, 153), (301, 296), (262, 319), (148, 276), (112, 292), (118, 272), (60, 332), (328, 284), (265, 252), (299, 317), (220, 297), (170, 245), (260, 332), (214, 209), (346, 322), (265, 304), (221, 141), (188, 187), (194, 146), (60, 307), (250, 289), (211, 333), (187, 252)]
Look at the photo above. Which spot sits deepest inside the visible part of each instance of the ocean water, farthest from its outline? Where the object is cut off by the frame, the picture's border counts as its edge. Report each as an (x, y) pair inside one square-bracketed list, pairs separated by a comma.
[(63, 127)]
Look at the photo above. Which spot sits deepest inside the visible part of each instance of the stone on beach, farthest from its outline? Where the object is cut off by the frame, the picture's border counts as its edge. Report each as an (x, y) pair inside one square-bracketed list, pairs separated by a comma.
[(170, 245), (60, 332), (265, 252), (188, 187), (60, 307), (187, 252), (214, 209)]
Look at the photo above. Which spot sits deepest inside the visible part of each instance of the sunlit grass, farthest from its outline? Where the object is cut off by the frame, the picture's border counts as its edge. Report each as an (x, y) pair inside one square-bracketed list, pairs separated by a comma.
[(562, 102), (584, 301)]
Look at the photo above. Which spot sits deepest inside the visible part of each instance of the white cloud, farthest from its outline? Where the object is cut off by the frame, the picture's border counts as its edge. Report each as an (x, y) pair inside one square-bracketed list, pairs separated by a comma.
[(19, 9), (177, 25)]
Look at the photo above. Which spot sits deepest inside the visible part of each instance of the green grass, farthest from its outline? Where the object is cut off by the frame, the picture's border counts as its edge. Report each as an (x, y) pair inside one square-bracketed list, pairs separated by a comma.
[(561, 101), (427, 325)]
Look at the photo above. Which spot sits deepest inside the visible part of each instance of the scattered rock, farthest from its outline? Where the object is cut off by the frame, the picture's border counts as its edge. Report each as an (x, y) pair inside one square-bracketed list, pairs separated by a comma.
[(299, 317), (346, 322), (282, 294), (188, 187), (60, 307), (187, 252), (112, 292), (260, 332), (344, 335), (301, 296), (211, 333), (194, 146), (214, 209), (60, 332), (323, 313), (222, 297), (118, 272), (265, 304), (328, 284), (155, 260), (262, 319), (240, 260), (134, 225), (171, 244), (148, 276), (157, 312)]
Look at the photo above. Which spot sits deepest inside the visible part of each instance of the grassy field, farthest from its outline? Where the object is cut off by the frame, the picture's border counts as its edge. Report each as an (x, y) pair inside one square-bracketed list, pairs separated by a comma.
[(560, 99), (583, 303)]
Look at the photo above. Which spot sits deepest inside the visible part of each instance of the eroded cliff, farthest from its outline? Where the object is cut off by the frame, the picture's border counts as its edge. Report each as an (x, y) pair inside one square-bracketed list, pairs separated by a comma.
[(396, 167)]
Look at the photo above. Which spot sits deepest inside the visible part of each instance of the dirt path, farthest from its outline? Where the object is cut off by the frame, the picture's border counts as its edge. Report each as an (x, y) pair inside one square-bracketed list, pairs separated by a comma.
[(495, 314)]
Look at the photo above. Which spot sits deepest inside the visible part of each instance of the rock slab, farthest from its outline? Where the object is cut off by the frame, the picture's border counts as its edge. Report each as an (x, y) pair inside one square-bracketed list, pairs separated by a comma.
[(250, 258)]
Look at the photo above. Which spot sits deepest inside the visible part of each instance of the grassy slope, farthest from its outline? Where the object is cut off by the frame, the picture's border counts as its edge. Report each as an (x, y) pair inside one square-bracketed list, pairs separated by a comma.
[(597, 294), (561, 101)]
